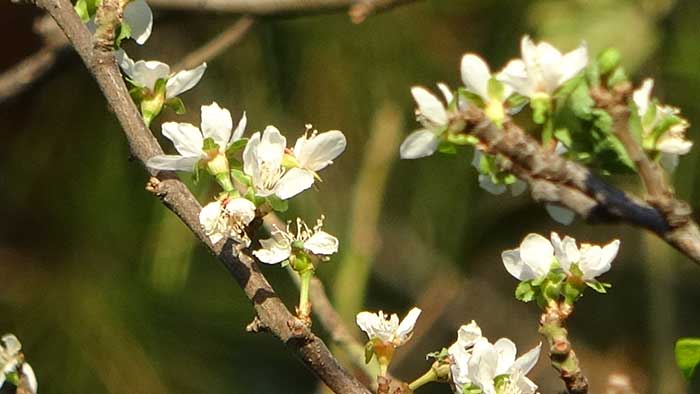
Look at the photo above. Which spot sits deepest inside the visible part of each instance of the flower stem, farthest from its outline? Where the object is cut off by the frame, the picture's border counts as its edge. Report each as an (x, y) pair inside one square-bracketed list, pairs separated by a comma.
[(304, 304), (430, 376)]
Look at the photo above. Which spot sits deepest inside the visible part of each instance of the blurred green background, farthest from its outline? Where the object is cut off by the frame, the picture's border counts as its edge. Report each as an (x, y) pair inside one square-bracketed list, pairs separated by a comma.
[(109, 292)]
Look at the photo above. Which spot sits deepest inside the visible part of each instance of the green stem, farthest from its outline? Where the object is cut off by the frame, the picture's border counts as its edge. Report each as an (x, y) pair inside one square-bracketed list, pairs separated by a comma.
[(430, 376), (304, 305)]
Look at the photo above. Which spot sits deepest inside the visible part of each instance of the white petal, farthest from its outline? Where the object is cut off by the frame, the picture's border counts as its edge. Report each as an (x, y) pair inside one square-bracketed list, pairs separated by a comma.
[(271, 148), (527, 361), (674, 145), (573, 62), (11, 344), (596, 261), (250, 159), (183, 81), (125, 63), (515, 265), (28, 373), (139, 17), (487, 184), (537, 253), (273, 252), (506, 351), (242, 209), (319, 151), (240, 129), (173, 163), (367, 322), (517, 188), (2, 378), (468, 334), (560, 214), (322, 243), (405, 328), (515, 75), (146, 73), (429, 105), (566, 251), (476, 75), (420, 143), (293, 182), (528, 51), (642, 96), (548, 69), (209, 219), (446, 92), (669, 161), (483, 365), (187, 138), (217, 124)]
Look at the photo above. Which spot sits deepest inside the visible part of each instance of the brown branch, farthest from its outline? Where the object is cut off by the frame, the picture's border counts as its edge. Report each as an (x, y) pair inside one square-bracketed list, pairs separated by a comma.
[(561, 354), (358, 9), (175, 195), (555, 180)]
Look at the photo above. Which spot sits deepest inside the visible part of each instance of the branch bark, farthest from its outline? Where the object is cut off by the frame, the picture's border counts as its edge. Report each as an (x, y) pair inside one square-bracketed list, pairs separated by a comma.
[(553, 179), (174, 194)]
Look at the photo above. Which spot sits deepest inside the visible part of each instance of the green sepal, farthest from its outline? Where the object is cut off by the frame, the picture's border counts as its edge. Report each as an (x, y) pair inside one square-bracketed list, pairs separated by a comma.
[(462, 139), (688, 355), (447, 147), (237, 146), (152, 104), (137, 94), (278, 204), (13, 377), (195, 174), (440, 355), (123, 32), (600, 287), (608, 60), (540, 109), (241, 177), (617, 76), (209, 145), (592, 74), (516, 101), (369, 351), (472, 389), (177, 105), (525, 292), (473, 98), (571, 292)]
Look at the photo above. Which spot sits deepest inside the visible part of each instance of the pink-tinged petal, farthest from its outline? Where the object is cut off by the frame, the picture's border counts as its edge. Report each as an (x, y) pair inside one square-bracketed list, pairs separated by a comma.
[(475, 75), (293, 182), (420, 143), (317, 152), (173, 163), (322, 243), (537, 253), (429, 105), (183, 81), (139, 17), (187, 138), (217, 124)]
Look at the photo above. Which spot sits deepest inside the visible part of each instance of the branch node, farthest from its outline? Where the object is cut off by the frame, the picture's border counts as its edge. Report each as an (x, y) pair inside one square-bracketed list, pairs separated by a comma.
[(256, 326)]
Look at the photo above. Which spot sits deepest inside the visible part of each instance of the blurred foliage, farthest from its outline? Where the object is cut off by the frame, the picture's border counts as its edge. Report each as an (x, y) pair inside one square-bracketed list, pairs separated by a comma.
[(109, 292)]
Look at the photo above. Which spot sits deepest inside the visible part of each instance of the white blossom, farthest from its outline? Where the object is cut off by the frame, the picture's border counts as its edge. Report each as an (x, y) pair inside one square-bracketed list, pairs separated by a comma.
[(145, 74), (262, 161), (591, 260), (227, 217), (388, 329), (476, 76), (461, 351), (433, 116), (486, 183), (315, 241), (542, 68), (316, 151), (560, 214), (532, 260), (189, 140), (673, 141), (11, 358)]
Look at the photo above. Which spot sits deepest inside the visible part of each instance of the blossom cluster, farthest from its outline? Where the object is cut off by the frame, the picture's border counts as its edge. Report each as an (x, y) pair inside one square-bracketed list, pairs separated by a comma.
[(13, 368)]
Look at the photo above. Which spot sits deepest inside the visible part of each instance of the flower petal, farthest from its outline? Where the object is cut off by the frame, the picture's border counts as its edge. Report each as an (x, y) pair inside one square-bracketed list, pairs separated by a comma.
[(515, 75), (527, 361), (317, 152), (217, 124), (271, 148), (183, 81), (242, 209), (429, 105), (322, 243), (515, 265), (560, 214), (125, 63), (506, 351), (517, 188), (674, 145), (405, 328), (420, 143), (597, 261), (209, 218), (468, 334), (273, 252), (28, 374), (240, 129), (537, 253), (187, 138), (486, 183), (143, 73), (11, 345), (293, 182), (367, 322), (139, 17), (250, 159), (642, 96), (446, 92), (173, 163), (572, 63), (476, 75)]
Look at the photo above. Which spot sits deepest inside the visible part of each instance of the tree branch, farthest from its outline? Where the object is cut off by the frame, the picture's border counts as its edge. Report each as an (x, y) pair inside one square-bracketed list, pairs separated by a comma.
[(553, 179), (175, 195)]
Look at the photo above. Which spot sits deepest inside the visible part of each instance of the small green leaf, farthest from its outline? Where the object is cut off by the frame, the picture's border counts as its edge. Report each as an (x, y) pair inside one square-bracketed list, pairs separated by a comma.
[(241, 177), (617, 76), (525, 292), (237, 145), (81, 8), (688, 355), (123, 32), (209, 145), (447, 147), (278, 204), (608, 60), (462, 139), (600, 287), (439, 355), (571, 292), (564, 136), (465, 95), (369, 351), (176, 104)]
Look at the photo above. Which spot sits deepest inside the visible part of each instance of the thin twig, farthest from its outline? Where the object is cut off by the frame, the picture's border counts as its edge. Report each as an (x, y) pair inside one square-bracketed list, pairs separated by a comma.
[(175, 195)]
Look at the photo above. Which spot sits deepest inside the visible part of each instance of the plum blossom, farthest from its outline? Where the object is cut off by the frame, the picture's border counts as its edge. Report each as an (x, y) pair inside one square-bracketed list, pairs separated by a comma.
[(315, 241), (591, 260), (145, 74), (316, 151), (190, 141), (542, 69), (387, 329), (532, 260), (477, 77), (262, 161), (227, 217), (432, 114), (11, 359), (671, 139), (477, 363)]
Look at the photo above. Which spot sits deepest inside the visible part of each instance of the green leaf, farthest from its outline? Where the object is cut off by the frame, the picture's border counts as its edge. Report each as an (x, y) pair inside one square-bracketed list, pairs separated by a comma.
[(608, 60), (241, 177), (564, 136), (688, 355), (446, 147), (176, 104), (439, 355), (465, 95), (86, 9), (600, 287), (525, 292), (571, 292), (462, 139), (123, 32), (617, 76), (237, 145), (278, 204)]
